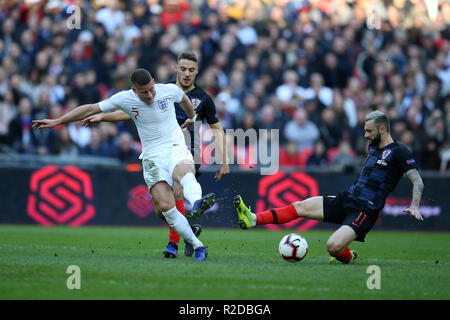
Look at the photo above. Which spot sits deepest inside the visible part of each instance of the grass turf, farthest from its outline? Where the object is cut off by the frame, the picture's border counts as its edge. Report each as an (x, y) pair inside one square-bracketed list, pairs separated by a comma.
[(126, 263)]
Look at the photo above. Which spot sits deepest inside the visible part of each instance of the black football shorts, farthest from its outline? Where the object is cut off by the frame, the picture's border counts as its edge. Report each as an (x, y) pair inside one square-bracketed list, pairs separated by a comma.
[(343, 210)]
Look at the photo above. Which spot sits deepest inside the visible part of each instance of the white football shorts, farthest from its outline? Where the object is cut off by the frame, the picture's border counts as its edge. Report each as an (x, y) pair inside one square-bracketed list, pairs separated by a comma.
[(160, 166)]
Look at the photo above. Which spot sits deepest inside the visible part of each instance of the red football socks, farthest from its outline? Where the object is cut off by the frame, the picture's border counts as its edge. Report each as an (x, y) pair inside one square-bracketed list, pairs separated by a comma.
[(277, 215), (173, 236), (345, 256)]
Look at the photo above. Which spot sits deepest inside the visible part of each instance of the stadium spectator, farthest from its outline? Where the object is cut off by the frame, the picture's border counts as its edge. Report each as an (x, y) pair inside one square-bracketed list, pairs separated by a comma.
[(289, 155), (141, 13), (226, 108), (7, 113), (301, 130), (64, 146), (344, 159), (245, 48), (407, 139), (76, 62), (111, 16), (290, 93), (303, 68), (250, 106), (96, 146), (430, 158), (127, 152), (268, 118), (330, 132), (32, 86), (318, 91), (275, 70), (172, 12), (253, 68), (20, 128), (319, 157), (55, 90)]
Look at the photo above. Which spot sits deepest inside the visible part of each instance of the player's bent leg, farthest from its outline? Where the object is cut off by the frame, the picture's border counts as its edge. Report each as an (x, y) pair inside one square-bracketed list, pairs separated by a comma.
[(177, 189), (158, 211), (162, 196), (196, 228), (337, 245), (187, 186), (171, 249), (184, 174), (340, 239)]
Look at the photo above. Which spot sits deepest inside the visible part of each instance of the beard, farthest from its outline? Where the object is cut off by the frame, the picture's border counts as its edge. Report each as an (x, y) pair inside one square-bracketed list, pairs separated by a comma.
[(183, 84), (375, 142)]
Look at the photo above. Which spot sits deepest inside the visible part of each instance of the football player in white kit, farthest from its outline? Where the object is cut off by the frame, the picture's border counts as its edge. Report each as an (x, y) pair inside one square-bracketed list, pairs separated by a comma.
[(165, 156)]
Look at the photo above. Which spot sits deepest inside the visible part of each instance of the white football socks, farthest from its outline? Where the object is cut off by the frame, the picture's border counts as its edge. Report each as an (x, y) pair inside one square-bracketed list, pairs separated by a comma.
[(180, 225), (254, 219), (192, 190)]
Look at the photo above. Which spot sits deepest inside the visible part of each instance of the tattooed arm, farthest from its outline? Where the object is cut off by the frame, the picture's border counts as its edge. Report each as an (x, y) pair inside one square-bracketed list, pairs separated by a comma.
[(416, 180)]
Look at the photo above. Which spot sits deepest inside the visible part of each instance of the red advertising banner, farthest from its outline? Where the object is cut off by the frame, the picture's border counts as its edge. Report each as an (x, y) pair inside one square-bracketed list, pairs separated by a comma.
[(280, 189), (60, 196)]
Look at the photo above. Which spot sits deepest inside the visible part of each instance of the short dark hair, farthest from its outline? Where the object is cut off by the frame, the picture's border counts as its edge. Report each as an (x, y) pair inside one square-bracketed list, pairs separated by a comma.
[(141, 77), (188, 55), (379, 119)]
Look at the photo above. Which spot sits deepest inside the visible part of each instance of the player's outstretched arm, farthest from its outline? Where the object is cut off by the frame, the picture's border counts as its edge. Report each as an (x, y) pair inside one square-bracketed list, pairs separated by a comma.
[(115, 116), (221, 147), (76, 114), (416, 180)]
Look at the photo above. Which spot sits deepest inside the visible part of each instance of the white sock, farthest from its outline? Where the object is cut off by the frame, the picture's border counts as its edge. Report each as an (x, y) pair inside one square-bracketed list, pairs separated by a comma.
[(180, 225), (192, 190)]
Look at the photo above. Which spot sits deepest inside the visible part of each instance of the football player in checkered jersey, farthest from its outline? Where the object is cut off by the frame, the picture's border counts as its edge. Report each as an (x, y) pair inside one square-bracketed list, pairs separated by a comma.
[(205, 109), (357, 208)]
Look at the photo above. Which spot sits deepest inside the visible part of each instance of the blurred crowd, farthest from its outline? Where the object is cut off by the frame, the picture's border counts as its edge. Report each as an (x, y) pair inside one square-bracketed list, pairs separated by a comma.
[(312, 69)]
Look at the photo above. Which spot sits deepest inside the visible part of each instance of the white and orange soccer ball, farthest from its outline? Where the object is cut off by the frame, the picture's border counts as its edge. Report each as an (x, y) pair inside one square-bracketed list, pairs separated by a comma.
[(293, 247)]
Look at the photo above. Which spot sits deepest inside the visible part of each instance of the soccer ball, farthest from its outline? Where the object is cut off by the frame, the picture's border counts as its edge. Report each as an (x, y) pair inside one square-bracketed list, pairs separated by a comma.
[(293, 247)]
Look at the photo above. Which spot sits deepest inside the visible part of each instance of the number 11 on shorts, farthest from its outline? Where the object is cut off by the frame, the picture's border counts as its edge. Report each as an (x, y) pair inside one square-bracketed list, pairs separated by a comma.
[(362, 216)]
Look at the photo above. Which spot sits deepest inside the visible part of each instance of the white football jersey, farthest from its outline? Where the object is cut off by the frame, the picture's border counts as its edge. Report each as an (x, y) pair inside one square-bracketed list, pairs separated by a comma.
[(156, 123)]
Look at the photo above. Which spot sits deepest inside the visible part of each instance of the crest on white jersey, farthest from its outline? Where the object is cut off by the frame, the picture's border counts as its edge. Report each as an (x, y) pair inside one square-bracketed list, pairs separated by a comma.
[(162, 104)]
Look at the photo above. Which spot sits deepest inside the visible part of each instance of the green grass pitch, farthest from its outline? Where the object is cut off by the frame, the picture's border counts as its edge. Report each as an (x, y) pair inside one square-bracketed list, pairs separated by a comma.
[(126, 263)]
